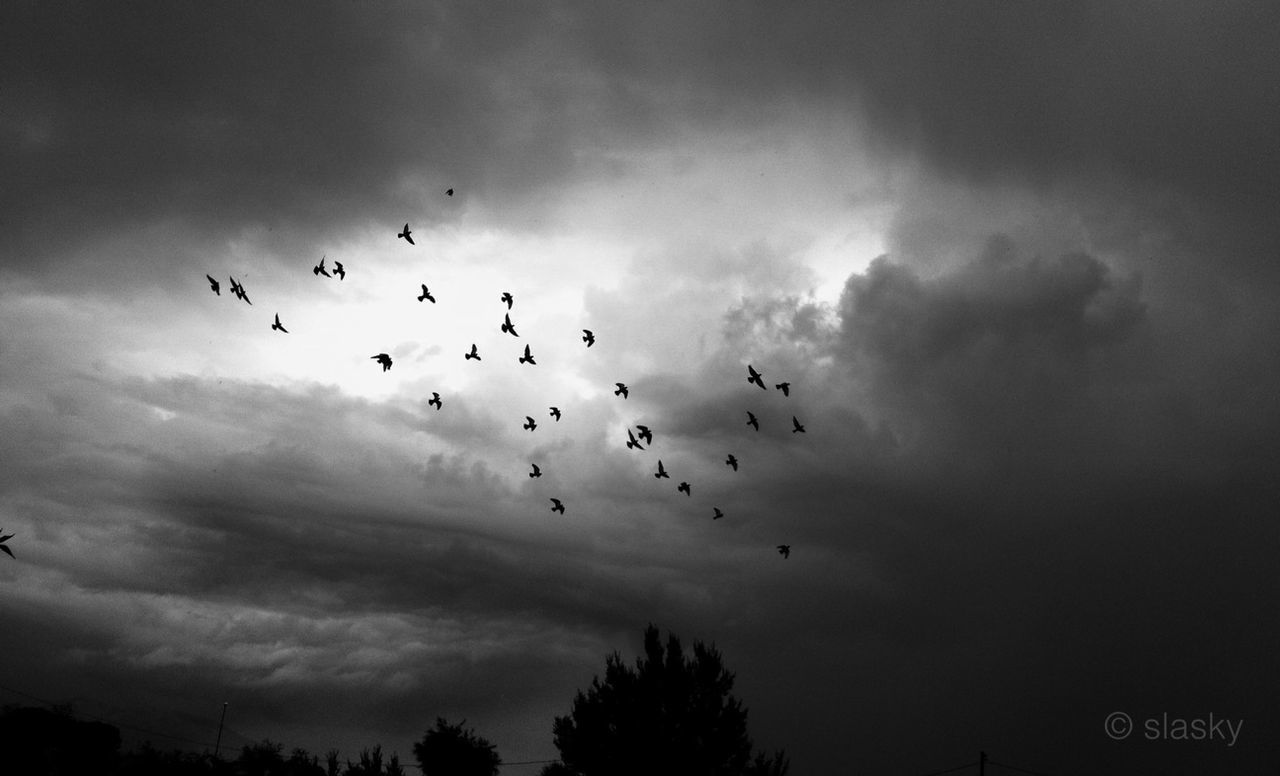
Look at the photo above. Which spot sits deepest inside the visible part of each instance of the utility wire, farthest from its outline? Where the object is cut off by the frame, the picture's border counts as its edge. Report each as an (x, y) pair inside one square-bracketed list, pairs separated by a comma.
[(1016, 768), (205, 744), (951, 770)]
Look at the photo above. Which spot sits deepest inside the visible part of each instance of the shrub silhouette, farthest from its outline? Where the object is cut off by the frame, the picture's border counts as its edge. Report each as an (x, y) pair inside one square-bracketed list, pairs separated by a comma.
[(42, 741), (670, 715), (449, 750)]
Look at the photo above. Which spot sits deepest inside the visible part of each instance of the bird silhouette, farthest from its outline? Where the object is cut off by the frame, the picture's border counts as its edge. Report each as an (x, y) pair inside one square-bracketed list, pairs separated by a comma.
[(718, 514), (754, 377), (731, 461), (473, 353), (684, 488), (588, 337), (632, 444), (238, 290), (536, 471), (555, 413), (339, 271), (796, 427), (435, 399), (661, 473), (7, 537), (449, 192), (277, 327), (508, 327), (407, 235), (506, 297), (785, 388), (527, 358), (320, 270), (751, 420), (645, 434), (213, 286), (384, 359), (557, 506), (784, 550), (426, 295), (530, 423), (621, 390)]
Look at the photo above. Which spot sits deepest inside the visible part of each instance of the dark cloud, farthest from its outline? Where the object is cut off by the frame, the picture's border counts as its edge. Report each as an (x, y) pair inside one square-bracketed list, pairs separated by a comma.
[(1036, 482), (1001, 345)]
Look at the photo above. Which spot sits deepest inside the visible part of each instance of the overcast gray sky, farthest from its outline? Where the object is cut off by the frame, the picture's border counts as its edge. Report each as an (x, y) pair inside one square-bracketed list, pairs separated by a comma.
[(1017, 261)]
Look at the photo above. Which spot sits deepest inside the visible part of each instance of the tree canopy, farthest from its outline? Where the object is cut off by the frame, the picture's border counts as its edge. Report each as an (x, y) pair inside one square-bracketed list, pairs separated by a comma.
[(670, 714), (450, 750)]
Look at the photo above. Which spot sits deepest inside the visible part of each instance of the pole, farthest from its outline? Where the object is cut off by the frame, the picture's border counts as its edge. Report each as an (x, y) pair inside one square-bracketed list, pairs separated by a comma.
[(218, 744), (982, 763)]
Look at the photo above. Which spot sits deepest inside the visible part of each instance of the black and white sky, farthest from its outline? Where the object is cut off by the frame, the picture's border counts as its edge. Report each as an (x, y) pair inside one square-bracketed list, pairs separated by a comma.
[(1018, 262)]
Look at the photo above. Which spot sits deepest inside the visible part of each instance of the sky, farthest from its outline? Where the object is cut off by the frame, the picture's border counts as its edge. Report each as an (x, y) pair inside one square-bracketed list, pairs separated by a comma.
[(1016, 261)]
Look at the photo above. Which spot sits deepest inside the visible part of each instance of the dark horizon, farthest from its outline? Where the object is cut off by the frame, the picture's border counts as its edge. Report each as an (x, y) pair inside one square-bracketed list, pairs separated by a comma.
[(1015, 263)]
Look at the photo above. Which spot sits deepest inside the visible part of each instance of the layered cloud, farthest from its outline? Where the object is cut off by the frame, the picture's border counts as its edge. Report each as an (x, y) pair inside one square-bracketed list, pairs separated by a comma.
[(1035, 484)]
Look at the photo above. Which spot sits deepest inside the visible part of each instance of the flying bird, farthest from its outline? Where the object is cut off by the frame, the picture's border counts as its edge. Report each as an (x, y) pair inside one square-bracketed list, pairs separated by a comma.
[(785, 388), (213, 286), (754, 377), (557, 506), (536, 471), (277, 327), (784, 550), (527, 358), (435, 399), (621, 390), (407, 235), (751, 420), (339, 271), (684, 488), (506, 297), (645, 434), (796, 427), (718, 514), (426, 295), (449, 192), (661, 473), (508, 327), (530, 423), (588, 337), (7, 537), (238, 290), (473, 353), (555, 413), (320, 270), (731, 461), (384, 359), (632, 444)]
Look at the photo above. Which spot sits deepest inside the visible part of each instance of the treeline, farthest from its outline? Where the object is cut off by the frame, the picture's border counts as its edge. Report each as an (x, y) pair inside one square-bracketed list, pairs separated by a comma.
[(52, 742), (668, 713)]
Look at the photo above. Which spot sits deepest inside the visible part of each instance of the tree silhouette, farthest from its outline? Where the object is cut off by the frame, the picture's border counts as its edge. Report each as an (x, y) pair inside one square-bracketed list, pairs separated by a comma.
[(670, 714), (38, 741), (449, 750)]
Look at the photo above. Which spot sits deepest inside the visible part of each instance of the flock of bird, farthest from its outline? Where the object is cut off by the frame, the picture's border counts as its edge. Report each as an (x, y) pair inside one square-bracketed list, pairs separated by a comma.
[(636, 440)]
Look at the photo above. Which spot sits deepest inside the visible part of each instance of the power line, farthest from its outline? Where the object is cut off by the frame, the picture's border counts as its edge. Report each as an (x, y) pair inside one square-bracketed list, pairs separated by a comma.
[(982, 760), (951, 770), (1016, 768), (203, 744)]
